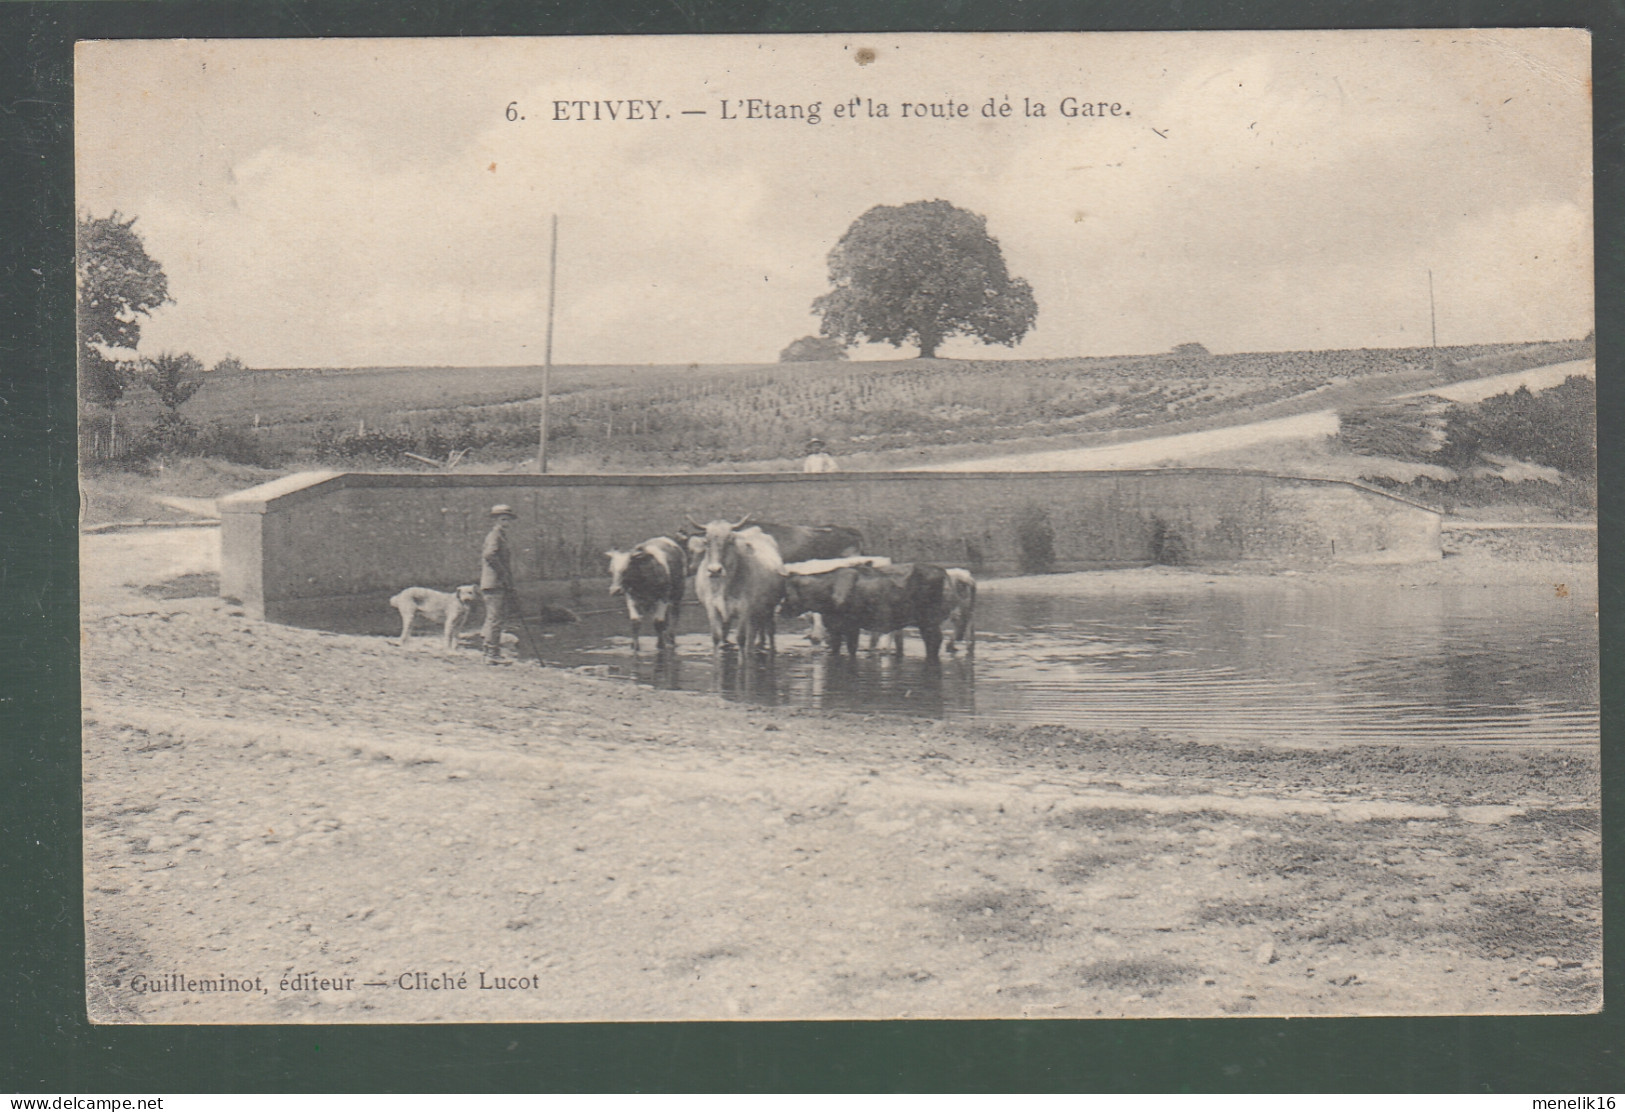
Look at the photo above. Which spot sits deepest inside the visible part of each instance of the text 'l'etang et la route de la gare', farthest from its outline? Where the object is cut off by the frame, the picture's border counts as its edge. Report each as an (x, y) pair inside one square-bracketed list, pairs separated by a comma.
[(256, 984), (651, 109)]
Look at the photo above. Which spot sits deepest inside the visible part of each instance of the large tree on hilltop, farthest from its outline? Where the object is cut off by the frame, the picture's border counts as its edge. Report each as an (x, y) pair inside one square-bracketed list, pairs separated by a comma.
[(919, 274), (118, 284)]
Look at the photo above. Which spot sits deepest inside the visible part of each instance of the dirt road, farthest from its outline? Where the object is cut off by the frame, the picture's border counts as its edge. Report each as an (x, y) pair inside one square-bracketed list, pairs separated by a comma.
[(284, 826), (1157, 451)]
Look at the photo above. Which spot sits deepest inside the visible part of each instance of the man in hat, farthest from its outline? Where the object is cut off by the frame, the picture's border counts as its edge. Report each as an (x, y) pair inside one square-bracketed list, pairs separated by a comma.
[(818, 460), (496, 582)]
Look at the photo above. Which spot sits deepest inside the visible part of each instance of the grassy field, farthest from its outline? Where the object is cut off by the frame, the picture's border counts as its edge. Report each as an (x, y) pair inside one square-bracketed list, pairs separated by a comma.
[(256, 425), (622, 418), (302, 395)]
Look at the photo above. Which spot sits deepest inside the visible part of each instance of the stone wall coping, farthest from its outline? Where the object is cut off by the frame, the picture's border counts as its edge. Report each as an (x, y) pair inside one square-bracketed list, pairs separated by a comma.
[(298, 487), (255, 499)]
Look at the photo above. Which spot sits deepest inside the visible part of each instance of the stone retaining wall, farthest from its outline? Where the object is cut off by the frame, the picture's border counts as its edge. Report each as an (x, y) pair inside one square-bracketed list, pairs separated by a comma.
[(294, 545)]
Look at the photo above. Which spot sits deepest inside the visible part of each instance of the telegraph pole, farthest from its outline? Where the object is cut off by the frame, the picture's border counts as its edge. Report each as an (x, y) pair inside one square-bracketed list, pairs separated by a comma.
[(547, 355), (1433, 320)]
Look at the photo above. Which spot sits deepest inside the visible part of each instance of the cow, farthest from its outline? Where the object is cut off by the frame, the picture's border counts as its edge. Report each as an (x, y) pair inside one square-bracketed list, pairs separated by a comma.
[(651, 576), (736, 579), (796, 543), (883, 599), (818, 567), (959, 621), (813, 542)]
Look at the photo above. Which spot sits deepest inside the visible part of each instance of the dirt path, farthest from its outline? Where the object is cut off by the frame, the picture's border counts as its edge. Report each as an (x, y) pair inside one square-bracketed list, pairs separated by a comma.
[(1158, 450), (282, 807), (1185, 447), (1536, 379)]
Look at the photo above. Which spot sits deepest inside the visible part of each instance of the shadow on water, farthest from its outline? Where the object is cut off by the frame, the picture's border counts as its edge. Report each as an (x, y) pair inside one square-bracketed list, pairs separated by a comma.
[(1283, 662)]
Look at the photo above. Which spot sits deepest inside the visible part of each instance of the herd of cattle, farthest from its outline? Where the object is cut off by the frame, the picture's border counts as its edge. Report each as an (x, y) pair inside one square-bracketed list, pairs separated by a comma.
[(746, 575)]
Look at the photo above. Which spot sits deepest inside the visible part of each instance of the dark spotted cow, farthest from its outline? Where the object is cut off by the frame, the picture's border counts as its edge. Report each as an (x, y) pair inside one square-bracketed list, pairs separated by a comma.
[(652, 577), (880, 599)]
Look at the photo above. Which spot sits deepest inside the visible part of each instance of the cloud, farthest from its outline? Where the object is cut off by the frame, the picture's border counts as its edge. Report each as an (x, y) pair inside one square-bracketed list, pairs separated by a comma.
[(1262, 191)]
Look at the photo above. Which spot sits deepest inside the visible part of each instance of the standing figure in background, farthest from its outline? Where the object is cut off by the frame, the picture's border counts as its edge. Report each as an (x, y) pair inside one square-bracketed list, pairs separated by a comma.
[(496, 583), (818, 460)]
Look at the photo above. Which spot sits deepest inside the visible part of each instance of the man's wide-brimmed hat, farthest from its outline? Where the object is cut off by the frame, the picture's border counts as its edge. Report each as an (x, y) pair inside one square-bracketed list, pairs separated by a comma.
[(811, 444), (502, 510)]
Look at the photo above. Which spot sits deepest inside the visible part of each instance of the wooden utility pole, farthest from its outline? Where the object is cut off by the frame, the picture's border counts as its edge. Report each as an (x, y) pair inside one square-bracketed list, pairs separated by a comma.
[(1433, 320), (547, 354)]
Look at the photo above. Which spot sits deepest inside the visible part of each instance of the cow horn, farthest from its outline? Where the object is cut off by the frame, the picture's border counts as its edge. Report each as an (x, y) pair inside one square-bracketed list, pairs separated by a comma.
[(742, 522), (692, 524)]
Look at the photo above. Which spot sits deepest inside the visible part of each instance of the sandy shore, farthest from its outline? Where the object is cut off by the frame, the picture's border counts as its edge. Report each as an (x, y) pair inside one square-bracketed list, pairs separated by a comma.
[(322, 818)]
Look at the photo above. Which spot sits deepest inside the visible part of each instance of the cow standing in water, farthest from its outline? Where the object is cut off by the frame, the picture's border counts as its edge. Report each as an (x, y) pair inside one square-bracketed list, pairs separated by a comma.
[(651, 576), (959, 625), (813, 542), (883, 599), (737, 580), (796, 543)]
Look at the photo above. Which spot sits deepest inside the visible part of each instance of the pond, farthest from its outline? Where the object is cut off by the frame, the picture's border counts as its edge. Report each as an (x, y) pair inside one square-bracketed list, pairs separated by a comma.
[(1276, 662)]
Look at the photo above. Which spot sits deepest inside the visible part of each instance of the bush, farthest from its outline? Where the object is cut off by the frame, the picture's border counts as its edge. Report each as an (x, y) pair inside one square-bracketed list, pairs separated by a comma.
[(221, 441), (1167, 546), (1571, 499), (1555, 428), (1035, 538), (813, 349), (171, 435), (1399, 428), (374, 445)]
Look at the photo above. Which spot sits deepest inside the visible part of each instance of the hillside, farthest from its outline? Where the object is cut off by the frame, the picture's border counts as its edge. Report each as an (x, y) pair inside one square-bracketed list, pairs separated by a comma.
[(679, 417)]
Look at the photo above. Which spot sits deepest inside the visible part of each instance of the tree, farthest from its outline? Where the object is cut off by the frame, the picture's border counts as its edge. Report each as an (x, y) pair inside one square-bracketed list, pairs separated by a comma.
[(174, 378), (230, 365), (118, 284), (812, 349), (919, 274)]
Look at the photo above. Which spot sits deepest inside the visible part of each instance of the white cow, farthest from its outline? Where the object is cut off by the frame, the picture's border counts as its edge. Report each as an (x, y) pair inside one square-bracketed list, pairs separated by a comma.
[(737, 580)]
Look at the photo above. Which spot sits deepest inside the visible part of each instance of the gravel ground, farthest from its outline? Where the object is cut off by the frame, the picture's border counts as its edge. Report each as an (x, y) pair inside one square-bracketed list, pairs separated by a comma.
[(353, 832)]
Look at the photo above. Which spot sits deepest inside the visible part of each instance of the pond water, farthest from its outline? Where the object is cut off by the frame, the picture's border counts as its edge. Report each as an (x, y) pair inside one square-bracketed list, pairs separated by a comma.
[(1284, 662)]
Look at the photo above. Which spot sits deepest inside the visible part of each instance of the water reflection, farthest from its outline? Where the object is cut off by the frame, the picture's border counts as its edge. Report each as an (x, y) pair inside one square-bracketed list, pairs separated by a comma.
[(882, 682), (1290, 662)]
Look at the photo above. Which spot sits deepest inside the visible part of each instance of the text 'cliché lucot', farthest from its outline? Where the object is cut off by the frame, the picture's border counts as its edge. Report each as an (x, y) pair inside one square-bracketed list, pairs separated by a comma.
[(414, 980)]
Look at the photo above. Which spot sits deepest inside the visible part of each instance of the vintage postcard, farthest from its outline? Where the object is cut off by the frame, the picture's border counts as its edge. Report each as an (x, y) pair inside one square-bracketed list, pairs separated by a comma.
[(820, 527)]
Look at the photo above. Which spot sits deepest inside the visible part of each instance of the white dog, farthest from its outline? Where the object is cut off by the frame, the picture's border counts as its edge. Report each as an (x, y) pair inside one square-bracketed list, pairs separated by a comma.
[(438, 606)]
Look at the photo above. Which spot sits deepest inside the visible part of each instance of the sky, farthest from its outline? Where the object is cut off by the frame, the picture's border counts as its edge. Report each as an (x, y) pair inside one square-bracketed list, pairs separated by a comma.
[(333, 203)]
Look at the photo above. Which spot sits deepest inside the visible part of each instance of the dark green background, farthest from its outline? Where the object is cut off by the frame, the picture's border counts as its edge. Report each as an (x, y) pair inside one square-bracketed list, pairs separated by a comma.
[(46, 1045)]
